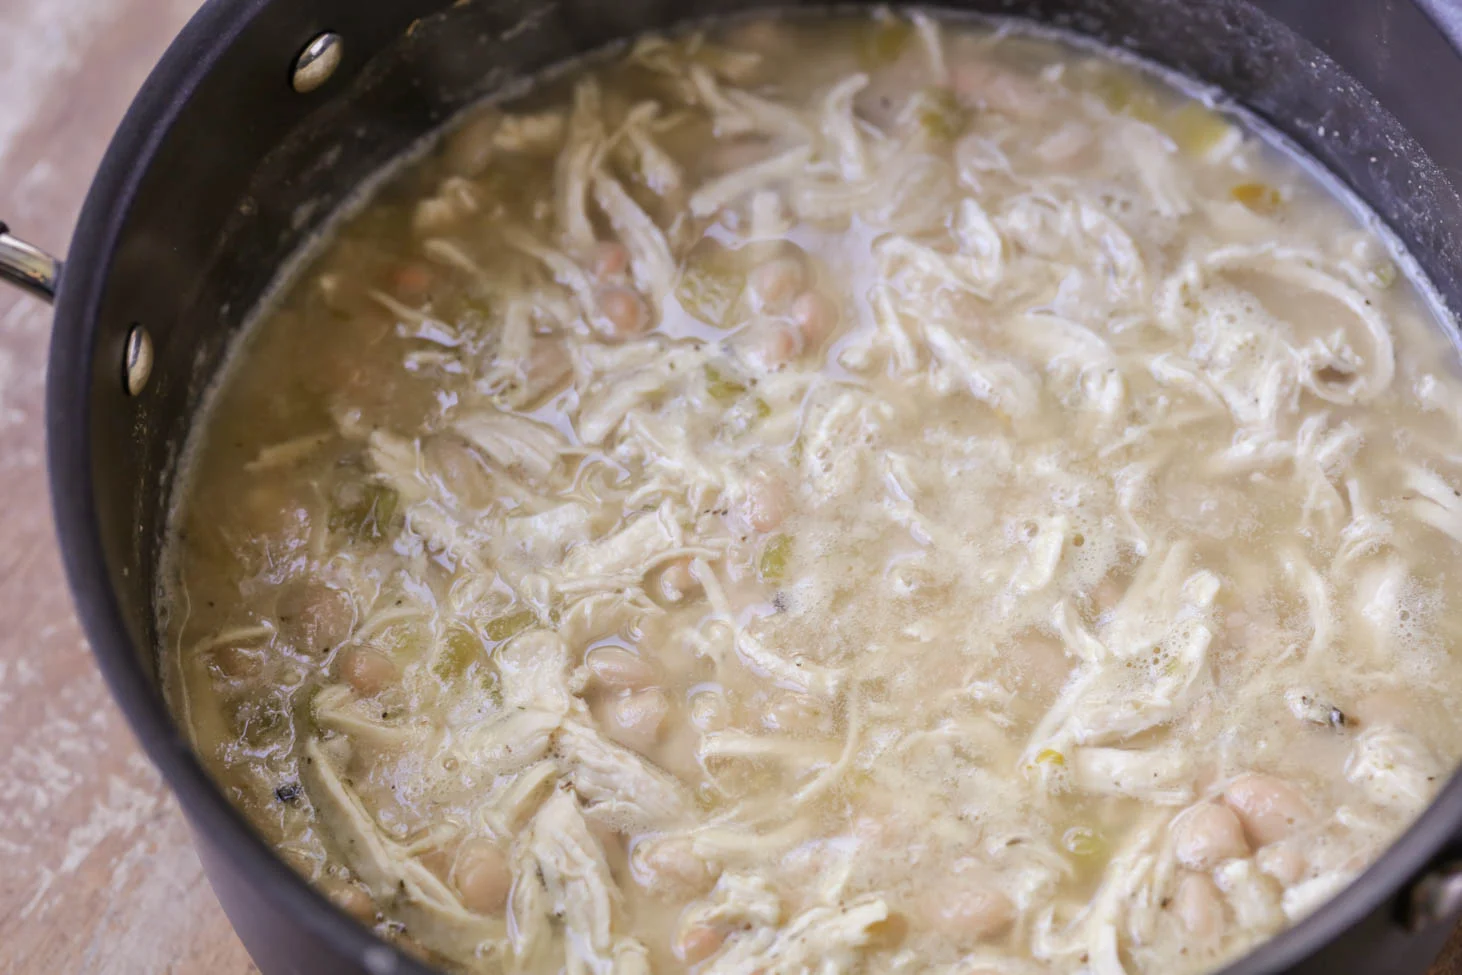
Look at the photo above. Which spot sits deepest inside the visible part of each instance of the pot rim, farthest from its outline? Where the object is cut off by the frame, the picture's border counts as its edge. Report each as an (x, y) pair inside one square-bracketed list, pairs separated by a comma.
[(189, 59)]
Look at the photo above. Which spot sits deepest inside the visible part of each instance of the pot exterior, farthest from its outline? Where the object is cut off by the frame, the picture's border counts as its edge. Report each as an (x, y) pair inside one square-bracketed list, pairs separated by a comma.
[(221, 168), (276, 940)]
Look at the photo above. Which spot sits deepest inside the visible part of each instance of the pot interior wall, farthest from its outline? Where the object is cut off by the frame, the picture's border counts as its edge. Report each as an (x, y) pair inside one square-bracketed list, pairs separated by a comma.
[(248, 168)]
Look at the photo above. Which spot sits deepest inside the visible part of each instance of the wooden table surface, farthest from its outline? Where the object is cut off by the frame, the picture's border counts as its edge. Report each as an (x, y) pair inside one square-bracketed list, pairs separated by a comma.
[(98, 872)]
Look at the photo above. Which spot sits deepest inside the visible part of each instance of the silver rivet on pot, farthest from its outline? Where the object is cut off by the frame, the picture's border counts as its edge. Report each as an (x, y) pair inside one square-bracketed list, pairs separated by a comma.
[(137, 365), (1436, 897), (317, 62)]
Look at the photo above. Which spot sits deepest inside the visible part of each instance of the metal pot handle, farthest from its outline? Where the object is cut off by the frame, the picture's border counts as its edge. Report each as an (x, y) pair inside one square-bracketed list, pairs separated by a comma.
[(28, 267)]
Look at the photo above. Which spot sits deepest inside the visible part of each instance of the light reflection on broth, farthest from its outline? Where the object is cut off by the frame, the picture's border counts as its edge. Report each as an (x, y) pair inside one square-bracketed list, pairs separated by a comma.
[(845, 492)]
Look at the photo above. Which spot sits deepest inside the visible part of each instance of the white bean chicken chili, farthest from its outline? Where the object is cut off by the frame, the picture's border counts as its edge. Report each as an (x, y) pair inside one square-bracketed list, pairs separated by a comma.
[(843, 495)]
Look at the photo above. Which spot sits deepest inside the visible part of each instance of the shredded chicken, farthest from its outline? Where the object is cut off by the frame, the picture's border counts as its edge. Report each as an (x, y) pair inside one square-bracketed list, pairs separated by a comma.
[(902, 499)]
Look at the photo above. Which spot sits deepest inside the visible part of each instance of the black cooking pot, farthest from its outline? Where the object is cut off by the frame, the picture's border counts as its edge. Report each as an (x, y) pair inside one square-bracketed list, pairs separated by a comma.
[(223, 165)]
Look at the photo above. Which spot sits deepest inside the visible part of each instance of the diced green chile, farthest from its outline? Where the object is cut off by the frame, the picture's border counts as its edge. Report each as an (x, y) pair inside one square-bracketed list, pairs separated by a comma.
[(722, 388), (461, 648), (370, 517), (711, 282), (881, 42), (712, 285), (510, 625), (774, 556)]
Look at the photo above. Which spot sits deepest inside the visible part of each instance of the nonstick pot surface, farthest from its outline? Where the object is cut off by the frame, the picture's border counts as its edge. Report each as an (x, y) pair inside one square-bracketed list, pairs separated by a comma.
[(221, 170)]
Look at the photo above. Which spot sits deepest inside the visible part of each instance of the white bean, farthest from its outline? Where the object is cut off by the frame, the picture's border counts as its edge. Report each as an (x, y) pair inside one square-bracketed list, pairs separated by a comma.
[(774, 345), (634, 719), (1282, 862), (697, 943), (973, 912), (368, 672), (548, 366), (1269, 808), (765, 504), (609, 259), (1207, 835), (314, 618), (622, 314), (460, 471), (482, 877), (774, 284), (1199, 906), (670, 866), (815, 316), (351, 898), (618, 667)]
